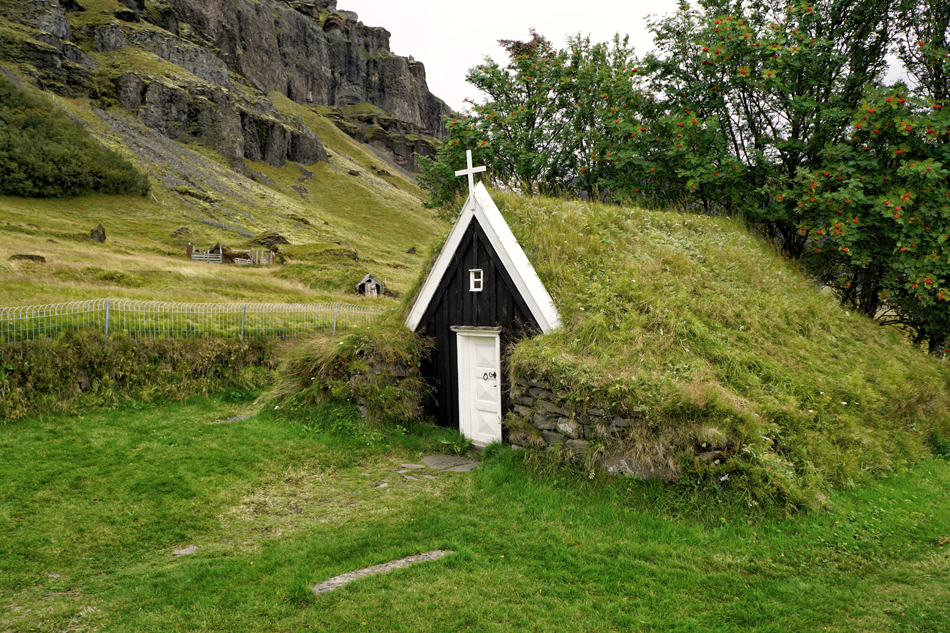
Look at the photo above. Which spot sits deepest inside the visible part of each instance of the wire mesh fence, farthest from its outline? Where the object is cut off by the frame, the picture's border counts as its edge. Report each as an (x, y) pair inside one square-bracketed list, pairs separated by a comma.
[(154, 319)]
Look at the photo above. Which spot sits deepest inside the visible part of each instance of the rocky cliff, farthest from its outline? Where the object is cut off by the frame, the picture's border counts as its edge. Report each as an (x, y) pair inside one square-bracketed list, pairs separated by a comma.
[(202, 70)]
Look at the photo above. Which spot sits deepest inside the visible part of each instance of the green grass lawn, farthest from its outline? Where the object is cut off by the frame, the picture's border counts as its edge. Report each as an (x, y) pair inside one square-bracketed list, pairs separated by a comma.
[(92, 506)]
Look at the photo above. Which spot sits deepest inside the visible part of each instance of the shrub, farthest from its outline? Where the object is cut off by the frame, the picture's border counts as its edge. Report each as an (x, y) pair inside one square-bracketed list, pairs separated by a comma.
[(45, 154), (81, 369)]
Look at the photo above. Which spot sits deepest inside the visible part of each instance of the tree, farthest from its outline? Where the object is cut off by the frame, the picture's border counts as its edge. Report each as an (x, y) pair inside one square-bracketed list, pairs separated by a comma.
[(520, 129), (878, 215), (598, 80), (748, 93), (922, 43), (540, 127)]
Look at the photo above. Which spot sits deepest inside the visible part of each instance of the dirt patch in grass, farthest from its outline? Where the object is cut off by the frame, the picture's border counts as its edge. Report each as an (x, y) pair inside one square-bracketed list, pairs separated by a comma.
[(312, 495)]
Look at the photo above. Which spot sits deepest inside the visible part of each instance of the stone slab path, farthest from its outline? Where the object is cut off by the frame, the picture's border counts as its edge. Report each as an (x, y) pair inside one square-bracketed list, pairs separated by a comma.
[(443, 463), (449, 462)]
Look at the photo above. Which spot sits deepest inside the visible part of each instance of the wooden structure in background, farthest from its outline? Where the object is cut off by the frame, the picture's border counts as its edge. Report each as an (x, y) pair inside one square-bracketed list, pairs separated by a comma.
[(371, 287), (260, 257)]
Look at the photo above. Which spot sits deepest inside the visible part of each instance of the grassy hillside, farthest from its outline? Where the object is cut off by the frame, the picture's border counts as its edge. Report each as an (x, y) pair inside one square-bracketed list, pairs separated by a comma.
[(699, 331), (352, 224)]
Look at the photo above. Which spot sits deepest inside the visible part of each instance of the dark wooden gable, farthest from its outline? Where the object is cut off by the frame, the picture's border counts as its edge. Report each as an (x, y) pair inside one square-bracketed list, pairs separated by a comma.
[(499, 304)]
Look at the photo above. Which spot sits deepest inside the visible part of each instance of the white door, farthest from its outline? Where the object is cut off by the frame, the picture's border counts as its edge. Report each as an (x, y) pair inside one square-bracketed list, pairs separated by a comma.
[(479, 385)]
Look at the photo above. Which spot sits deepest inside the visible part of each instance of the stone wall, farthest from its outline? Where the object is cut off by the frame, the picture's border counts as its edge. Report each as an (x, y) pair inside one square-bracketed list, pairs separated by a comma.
[(376, 378), (545, 417)]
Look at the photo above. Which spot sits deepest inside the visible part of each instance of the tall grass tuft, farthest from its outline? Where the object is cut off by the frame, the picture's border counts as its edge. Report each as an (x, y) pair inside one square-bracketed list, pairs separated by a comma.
[(375, 367)]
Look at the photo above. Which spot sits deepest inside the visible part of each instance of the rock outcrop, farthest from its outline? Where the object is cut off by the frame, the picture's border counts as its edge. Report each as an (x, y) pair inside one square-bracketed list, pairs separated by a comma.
[(399, 141), (309, 52), (201, 70), (235, 127)]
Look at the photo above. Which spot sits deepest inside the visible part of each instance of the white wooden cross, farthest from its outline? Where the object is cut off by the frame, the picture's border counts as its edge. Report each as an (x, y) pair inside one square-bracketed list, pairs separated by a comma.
[(470, 172)]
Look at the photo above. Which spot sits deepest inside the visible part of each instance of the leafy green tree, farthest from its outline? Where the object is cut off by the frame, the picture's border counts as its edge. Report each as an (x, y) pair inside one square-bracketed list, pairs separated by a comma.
[(597, 81), (878, 215), (541, 127), (519, 130), (922, 43), (526, 117), (746, 94), (875, 211), (43, 153)]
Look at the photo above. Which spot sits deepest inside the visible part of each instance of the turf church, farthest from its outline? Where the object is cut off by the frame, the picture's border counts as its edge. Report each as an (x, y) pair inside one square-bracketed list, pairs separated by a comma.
[(481, 296)]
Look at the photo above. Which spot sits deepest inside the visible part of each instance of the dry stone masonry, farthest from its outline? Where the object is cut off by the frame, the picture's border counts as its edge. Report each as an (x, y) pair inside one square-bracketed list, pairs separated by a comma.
[(544, 416)]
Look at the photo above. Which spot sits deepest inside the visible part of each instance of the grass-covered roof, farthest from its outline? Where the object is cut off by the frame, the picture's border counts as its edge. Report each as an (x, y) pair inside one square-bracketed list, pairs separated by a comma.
[(698, 328)]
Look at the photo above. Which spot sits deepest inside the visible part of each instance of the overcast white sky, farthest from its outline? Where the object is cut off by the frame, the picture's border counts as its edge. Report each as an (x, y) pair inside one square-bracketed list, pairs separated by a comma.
[(451, 37)]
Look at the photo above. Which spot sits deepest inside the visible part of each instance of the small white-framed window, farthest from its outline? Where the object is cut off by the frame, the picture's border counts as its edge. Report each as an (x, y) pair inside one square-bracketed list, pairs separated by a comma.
[(475, 279)]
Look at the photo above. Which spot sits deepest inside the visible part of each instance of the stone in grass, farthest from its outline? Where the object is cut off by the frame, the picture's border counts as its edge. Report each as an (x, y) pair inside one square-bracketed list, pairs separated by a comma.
[(98, 234), (553, 408), (338, 581), (544, 423), (619, 465), (578, 446), (463, 468), (442, 462), (412, 465), (191, 549), (570, 428), (23, 257)]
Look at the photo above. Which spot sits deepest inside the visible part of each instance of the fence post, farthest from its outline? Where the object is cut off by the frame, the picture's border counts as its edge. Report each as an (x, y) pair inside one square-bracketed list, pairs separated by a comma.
[(107, 320), (243, 318), (336, 307)]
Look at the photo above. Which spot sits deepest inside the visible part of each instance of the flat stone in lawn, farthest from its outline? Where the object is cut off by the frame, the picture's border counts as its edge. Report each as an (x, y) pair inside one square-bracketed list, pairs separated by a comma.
[(191, 549), (412, 466), (338, 581), (463, 468), (442, 462)]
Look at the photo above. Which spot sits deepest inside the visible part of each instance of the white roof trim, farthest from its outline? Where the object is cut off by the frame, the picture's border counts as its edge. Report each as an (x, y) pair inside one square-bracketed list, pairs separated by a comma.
[(480, 206)]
